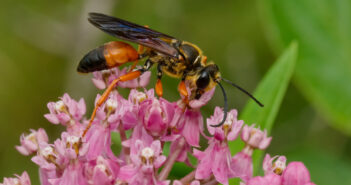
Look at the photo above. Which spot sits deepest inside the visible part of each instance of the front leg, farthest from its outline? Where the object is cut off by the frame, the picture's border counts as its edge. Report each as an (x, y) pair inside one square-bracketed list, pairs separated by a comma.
[(182, 89), (158, 87)]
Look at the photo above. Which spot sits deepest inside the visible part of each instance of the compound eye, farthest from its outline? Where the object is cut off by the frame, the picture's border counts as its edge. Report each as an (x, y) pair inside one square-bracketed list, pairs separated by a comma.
[(203, 80)]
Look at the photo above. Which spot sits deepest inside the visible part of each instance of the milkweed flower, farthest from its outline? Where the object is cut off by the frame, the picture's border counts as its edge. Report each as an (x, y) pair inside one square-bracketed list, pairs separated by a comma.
[(216, 158), (276, 164), (154, 133), (101, 171), (102, 79), (277, 173), (254, 138), (30, 142), (145, 160), (296, 173), (18, 180), (155, 115), (68, 112)]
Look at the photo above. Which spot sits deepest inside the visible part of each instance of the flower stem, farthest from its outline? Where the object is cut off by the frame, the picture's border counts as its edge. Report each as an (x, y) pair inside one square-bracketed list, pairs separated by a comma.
[(188, 178), (123, 136), (212, 182), (171, 160)]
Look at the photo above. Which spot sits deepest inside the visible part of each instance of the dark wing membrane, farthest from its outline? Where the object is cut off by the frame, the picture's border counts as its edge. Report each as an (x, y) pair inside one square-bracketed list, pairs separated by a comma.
[(134, 33)]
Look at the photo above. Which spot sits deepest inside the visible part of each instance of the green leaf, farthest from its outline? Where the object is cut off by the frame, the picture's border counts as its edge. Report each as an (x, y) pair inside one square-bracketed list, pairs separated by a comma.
[(323, 69), (270, 92)]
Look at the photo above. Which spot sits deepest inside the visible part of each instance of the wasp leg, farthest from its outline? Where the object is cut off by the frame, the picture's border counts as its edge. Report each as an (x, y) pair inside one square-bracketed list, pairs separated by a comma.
[(140, 52), (129, 76), (204, 60), (158, 87)]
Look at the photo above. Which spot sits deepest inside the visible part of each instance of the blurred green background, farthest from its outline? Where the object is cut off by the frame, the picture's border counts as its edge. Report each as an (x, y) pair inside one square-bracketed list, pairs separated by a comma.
[(42, 42)]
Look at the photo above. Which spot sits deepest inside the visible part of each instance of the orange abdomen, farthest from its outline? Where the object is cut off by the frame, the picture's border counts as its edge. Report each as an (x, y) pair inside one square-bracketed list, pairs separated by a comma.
[(109, 55), (117, 53)]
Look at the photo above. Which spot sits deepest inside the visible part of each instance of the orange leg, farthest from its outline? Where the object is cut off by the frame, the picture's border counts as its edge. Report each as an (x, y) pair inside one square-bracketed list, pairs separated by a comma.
[(204, 60), (158, 88), (182, 90), (140, 51), (103, 98)]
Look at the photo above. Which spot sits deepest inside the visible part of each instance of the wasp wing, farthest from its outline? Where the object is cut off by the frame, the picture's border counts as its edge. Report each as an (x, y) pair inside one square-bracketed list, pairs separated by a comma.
[(134, 33)]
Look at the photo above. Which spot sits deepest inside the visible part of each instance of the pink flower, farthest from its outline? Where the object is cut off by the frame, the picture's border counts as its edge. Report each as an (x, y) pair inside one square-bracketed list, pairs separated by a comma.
[(99, 139), (70, 146), (188, 122), (137, 97), (183, 155), (47, 158), (274, 165), (214, 160), (203, 100), (145, 160), (22, 180), (296, 174), (139, 133), (241, 166), (107, 119), (156, 115), (103, 78), (242, 161), (50, 164), (255, 138), (102, 171), (45, 175), (142, 81), (66, 111), (229, 131), (276, 174), (117, 109), (29, 143), (271, 179), (195, 182), (72, 175)]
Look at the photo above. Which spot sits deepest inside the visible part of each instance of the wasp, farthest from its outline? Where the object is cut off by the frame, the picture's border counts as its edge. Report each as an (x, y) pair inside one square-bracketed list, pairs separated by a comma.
[(173, 57)]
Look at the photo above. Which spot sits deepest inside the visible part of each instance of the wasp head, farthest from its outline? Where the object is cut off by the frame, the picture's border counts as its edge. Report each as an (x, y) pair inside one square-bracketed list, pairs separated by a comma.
[(207, 78)]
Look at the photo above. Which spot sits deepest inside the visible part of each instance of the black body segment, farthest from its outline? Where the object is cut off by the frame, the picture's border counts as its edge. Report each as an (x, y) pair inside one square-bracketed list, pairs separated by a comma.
[(134, 33), (93, 61)]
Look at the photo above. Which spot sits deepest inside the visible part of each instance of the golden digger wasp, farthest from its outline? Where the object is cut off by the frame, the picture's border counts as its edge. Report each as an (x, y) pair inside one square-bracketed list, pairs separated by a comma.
[(176, 58)]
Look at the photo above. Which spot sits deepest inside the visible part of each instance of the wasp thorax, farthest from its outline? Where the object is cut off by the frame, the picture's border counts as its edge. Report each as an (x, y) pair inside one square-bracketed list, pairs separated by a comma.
[(190, 53)]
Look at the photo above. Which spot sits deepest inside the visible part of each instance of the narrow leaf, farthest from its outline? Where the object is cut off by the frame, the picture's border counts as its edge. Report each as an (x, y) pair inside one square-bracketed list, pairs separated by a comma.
[(270, 92)]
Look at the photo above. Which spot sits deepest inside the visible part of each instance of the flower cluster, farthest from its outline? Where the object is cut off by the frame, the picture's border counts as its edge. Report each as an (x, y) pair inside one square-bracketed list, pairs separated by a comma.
[(146, 125)]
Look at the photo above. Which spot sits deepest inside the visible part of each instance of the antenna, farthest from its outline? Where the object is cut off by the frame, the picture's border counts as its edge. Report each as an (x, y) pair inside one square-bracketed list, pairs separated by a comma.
[(243, 90), (225, 107)]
